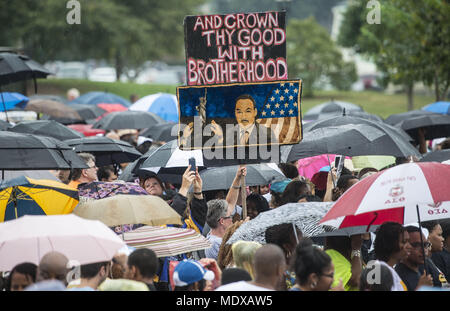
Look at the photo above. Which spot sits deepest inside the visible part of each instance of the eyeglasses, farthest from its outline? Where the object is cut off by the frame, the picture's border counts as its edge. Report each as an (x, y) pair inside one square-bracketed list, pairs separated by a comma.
[(418, 244), (331, 275)]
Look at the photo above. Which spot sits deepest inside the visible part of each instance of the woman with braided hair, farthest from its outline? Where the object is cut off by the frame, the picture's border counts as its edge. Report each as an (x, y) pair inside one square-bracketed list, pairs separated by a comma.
[(225, 256)]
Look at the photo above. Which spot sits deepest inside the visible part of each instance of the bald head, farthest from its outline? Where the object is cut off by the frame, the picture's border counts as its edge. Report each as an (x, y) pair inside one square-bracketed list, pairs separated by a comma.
[(269, 260), (53, 266)]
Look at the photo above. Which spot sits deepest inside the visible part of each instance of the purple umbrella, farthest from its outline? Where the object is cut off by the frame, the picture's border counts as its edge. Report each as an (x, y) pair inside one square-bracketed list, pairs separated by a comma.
[(102, 189)]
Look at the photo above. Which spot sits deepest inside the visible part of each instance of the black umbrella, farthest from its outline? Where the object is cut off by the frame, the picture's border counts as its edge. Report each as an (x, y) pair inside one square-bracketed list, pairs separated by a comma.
[(128, 120), (330, 108), (130, 173), (257, 174), (349, 140), (106, 150), (4, 125), (88, 112), (349, 120), (33, 152), (436, 156), (15, 67), (353, 113), (49, 128), (162, 132), (436, 125)]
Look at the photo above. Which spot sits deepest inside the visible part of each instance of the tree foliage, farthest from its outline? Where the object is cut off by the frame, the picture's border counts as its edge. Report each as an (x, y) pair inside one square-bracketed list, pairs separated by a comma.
[(411, 44), (312, 56), (125, 33)]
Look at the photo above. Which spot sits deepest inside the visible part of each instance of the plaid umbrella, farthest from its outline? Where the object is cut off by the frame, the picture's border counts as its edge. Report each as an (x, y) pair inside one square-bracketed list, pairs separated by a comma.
[(166, 241)]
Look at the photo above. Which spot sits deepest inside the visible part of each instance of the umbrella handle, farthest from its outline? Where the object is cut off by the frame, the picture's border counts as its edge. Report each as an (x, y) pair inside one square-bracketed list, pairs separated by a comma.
[(421, 238), (243, 197)]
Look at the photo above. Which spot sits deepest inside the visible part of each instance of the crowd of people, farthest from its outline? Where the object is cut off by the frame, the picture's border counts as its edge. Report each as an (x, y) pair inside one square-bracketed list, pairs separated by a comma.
[(394, 258)]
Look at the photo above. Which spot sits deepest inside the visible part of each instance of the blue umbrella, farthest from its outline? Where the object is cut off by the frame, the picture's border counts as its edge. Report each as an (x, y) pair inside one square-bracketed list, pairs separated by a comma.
[(163, 104), (13, 100), (438, 107), (94, 98)]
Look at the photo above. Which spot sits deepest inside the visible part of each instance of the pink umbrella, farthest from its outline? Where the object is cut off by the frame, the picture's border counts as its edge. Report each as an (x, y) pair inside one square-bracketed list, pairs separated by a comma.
[(29, 238), (307, 167), (406, 193)]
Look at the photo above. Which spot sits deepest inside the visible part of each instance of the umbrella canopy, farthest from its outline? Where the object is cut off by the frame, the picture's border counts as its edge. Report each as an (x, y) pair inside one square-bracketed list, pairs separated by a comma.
[(353, 113), (436, 156), (330, 108), (162, 132), (29, 238), (4, 125), (52, 108), (106, 150), (305, 216), (95, 98), (257, 174), (56, 98), (307, 167), (438, 107), (35, 174), (88, 112), (163, 104), (86, 129), (100, 189), (349, 140), (129, 209), (129, 174), (15, 67), (26, 196), (396, 118), (394, 195), (393, 131), (435, 125), (377, 162), (32, 152), (48, 128), (13, 100), (166, 241), (127, 120)]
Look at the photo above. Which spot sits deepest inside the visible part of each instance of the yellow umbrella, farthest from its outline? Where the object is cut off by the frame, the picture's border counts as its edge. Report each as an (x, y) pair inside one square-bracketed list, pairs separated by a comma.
[(129, 209), (26, 196)]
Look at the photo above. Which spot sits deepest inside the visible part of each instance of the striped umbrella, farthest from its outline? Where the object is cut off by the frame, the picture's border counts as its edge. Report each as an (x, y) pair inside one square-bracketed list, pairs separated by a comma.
[(405, 194), (26, 196), (166, 241)]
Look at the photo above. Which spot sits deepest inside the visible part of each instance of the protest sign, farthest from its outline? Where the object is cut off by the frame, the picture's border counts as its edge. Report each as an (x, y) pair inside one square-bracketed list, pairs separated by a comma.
[(235, 48), (233, 115)]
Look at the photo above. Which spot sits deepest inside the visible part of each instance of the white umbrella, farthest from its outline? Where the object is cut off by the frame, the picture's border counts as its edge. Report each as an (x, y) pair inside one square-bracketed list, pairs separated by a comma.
[(29, 238)]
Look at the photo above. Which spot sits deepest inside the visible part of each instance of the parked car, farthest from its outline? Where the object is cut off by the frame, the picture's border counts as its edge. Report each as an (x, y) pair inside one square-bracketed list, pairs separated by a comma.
[(103, 74), (71, 70)]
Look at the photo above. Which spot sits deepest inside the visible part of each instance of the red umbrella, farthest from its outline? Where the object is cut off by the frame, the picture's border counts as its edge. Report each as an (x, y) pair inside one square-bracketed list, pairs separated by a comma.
[(406, 193), (86, 129), (111, 108)]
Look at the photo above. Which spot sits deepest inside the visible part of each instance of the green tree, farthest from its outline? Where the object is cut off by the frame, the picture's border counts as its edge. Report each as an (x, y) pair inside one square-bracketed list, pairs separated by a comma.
[(125, 33), (410, 45), (312, 56)]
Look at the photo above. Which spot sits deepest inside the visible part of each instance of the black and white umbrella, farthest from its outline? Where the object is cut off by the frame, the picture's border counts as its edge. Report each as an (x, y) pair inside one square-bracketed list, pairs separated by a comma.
[(215, 178), (48, 128), (128, 120), (305, 216), (129, 174), (106, 150), (4, 125)]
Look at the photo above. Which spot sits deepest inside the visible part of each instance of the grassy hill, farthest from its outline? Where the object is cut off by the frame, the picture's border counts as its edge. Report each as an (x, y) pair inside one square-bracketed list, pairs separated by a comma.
[(373, 102)]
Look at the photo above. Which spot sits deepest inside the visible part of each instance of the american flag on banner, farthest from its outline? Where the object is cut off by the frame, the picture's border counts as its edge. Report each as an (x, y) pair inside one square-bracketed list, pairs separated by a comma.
[(281, 111)]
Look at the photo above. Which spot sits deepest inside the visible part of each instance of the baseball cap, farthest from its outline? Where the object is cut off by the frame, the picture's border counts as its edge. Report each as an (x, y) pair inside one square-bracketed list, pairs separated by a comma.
[(280, 185), (190, 271)]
